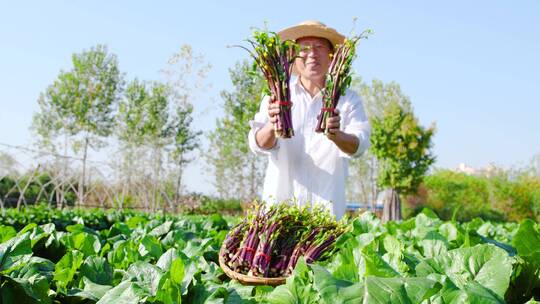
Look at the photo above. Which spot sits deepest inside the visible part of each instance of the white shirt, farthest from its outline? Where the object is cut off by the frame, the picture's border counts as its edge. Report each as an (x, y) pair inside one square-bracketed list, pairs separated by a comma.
[(309, 168)]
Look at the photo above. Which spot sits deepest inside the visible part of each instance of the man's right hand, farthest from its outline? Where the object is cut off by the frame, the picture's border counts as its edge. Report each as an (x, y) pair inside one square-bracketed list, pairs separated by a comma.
[(266, 137), (273, 113)]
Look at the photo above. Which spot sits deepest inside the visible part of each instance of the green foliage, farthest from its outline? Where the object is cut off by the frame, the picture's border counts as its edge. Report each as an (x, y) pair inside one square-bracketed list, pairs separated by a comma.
[(156, 258), (376, 96), (143, 114), (80, 105), (463, 197), (238, 172), (185, 138), (527, 274), (402, 147), (210, 205), (148, 128), (449, 191), (39, 189), (517, 197), (82, 100)]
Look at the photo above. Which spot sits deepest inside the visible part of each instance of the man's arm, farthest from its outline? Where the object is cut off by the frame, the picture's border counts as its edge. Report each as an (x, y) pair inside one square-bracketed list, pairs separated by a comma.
[(266, 137), (347, 143)]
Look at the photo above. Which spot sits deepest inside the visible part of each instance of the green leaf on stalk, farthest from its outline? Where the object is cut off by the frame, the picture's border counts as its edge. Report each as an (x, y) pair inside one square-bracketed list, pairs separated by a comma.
[(66, 268)]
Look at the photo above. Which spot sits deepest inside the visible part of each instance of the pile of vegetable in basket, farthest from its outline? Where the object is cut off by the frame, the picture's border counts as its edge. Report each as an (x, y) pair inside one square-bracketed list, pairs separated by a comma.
[(269, 242)]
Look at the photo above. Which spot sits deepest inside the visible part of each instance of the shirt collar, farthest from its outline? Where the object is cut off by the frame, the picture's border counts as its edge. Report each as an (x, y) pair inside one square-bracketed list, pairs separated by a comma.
[(299, 88)]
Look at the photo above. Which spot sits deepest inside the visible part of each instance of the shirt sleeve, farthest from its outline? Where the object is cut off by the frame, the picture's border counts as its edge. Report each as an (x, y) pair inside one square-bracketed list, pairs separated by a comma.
[(355, 122), (259, 121)]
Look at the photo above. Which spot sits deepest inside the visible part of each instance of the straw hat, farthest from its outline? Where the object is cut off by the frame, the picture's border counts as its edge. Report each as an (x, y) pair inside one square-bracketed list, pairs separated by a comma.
[(312, 28)]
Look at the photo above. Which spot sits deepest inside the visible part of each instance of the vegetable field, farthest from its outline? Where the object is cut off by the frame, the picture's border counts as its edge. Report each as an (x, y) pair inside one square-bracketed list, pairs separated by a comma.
[(93, 256)]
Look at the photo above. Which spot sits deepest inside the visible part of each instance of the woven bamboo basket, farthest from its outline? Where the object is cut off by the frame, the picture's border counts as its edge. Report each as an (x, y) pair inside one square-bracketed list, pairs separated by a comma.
[(245, 279)]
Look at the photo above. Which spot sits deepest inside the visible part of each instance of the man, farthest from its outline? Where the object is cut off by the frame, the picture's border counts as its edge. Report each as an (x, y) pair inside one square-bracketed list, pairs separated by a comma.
[(310, 167)]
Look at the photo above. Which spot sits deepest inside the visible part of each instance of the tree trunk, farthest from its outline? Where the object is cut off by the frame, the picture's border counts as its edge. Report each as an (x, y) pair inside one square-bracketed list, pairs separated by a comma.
[(178, 186), (155, 192), (127, 169), (83, 179), (372, 172), (392, 206), (62, 196)]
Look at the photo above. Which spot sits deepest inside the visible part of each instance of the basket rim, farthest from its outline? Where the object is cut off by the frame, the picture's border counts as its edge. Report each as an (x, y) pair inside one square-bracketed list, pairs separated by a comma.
[(245, 279)]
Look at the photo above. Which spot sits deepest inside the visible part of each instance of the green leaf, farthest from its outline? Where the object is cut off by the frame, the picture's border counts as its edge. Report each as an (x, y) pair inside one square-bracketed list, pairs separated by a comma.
[(282, 295), (394, 255), (6, 233), (29, 284), (146, 275), (26, 289), (477, 293), (161, 229), (376, 265), (348, 264), (14, 252), (126, 292), (433, 244), (196, 247), (97, 290), (366, 222), (333, 290), (123, 254), (527, 281), (298, 288), (66, 268), (97, 270), (487, 265), (397, 290), (177, 271), (150, 246), (166, 259), (449, 231), (527, 239), (135, 221), (86, 243), (168, 291)]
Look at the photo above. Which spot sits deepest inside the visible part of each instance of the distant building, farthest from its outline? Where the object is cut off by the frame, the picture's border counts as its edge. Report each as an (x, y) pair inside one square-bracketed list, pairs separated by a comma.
[(463, 168), (488, 171)]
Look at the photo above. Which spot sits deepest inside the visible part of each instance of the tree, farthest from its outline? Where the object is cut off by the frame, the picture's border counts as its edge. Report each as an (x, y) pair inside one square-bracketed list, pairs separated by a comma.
[(237, 171), (362, 184), (155, 122), (145, 129), (80, 105), (402, 148), (534, 165), (185, 73), (131, 124), (158, 131), (8, 165), (185, 140)]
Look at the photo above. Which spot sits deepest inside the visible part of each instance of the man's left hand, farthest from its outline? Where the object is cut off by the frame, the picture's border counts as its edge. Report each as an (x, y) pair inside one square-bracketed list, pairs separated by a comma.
[(333, 125)]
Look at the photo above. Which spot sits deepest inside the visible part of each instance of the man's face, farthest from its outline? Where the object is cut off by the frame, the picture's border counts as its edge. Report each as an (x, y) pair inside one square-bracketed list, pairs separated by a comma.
[(314, 58)]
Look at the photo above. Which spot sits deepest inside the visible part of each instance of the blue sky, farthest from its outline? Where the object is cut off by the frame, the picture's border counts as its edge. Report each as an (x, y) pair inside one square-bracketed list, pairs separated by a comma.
[(472, 67)]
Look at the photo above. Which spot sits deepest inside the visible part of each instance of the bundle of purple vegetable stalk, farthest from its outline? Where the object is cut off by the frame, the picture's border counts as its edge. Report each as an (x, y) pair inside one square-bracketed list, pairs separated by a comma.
[(269, 242), (338, 78), (275, 58)]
